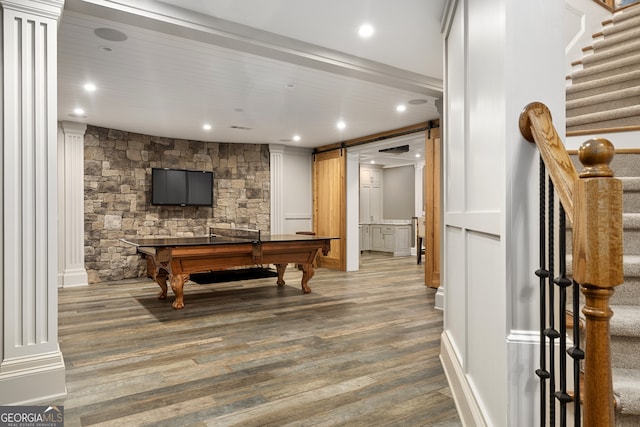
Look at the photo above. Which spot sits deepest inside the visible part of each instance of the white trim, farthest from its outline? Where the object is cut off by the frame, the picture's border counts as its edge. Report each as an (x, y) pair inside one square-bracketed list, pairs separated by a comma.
[(20, 377), (440, 294), (276, 155), (71, 205), (469, 411), (353, 211)]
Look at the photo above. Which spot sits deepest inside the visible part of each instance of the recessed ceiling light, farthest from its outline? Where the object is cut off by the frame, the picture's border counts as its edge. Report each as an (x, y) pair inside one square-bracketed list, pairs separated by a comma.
[(365, 31), (206, 126), (341, 124), (89, 87), (400, 108), (296, 138), (78, 113), (417, 154), (372, 162), (105, 48), (418, 101), (110, 34)]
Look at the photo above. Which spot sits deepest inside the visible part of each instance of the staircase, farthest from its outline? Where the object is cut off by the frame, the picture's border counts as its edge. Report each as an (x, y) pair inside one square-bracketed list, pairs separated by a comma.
[(604, 88), (625, 303), (603, 94)]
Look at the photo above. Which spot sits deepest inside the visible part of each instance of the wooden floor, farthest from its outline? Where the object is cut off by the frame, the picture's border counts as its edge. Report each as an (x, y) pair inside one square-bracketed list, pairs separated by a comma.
[(361, 350)]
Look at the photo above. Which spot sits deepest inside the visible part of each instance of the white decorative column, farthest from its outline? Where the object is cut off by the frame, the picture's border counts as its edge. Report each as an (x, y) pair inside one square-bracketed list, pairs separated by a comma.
[(31, 364), (276, 163), (419, 199), (71, 205), (419, 187)]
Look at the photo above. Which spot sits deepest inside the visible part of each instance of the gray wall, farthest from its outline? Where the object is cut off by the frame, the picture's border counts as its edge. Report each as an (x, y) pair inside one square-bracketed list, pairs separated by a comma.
[(398, 192)]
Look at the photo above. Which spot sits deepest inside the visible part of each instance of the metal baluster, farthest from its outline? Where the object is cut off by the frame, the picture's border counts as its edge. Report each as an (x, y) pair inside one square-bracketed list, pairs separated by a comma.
[(551, 333), (563, 283), (542, 273)]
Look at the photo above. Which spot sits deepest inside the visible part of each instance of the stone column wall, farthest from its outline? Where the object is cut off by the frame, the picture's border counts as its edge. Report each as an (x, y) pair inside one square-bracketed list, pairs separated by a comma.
[(117, 175)]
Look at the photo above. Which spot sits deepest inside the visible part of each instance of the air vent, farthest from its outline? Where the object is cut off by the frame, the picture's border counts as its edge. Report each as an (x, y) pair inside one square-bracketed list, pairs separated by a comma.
[(395, 150), (240, 127)]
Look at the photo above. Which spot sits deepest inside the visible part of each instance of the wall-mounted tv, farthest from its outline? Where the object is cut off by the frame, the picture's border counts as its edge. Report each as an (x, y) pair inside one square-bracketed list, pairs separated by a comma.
[(181, 187)]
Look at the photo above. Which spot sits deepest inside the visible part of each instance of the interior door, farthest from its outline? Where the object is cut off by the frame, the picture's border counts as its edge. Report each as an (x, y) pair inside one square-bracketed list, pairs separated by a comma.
[(432, 209), (329, 205)]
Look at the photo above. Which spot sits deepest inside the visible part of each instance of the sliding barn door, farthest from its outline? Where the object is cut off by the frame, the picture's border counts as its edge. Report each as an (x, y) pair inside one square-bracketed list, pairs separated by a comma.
[(329, 205), (432, 209)]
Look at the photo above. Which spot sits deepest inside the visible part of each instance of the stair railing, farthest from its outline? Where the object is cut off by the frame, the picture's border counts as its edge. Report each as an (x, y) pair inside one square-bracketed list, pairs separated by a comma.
[(614, 5), (592, 201)]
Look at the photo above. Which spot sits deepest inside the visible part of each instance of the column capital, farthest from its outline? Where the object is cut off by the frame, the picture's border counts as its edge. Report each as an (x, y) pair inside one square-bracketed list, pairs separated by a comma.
[(276, 148), (73, 128), (48, 8)]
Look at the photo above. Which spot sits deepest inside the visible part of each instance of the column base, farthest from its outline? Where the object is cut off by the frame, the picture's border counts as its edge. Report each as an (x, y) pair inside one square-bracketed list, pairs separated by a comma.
[(439, 301), (32, 380), (73, 278)]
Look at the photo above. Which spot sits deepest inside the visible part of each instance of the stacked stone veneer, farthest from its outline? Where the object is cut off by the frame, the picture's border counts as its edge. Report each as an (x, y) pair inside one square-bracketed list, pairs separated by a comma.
[(117, 173)]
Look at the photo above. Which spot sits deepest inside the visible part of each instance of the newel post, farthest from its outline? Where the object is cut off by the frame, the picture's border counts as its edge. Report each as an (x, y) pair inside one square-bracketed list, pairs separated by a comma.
[(597, 267)]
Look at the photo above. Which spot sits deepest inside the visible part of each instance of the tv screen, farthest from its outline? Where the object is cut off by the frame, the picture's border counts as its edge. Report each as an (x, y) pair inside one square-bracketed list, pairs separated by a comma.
[(181, 187)]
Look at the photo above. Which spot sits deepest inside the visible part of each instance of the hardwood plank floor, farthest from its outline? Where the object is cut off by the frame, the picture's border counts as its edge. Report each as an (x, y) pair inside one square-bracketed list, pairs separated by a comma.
[(361, 350)]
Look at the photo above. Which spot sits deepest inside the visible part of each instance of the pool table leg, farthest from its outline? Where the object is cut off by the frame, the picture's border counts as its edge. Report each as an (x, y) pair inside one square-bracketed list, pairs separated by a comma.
[(177, 284), (307, 274), (280, 268), (161, 280)]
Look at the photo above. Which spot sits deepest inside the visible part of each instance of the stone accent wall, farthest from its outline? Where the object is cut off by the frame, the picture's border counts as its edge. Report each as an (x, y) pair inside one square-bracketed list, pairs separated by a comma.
[(117, 172)]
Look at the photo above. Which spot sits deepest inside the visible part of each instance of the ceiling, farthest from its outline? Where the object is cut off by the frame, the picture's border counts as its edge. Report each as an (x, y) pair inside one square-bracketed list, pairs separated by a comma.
[(255, 71)]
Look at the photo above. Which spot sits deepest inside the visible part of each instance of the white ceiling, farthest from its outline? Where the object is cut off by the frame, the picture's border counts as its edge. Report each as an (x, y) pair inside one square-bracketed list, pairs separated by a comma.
[(256, 71)]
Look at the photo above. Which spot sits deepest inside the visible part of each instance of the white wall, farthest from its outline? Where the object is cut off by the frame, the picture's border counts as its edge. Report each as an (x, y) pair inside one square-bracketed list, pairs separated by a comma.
[(298, 190), (500, 55), (583, 18), (291, 189), (398, 193)]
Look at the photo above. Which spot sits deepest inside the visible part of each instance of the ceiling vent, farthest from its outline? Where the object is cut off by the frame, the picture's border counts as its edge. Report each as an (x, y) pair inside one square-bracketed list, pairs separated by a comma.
[(395, 150), (240, 127)]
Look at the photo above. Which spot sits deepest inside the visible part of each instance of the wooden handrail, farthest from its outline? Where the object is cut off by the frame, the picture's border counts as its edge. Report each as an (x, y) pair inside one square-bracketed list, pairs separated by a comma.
[(536, 126), (595, 200)]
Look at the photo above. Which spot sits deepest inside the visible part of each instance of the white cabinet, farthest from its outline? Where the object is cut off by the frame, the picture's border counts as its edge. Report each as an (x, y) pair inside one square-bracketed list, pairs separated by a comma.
[(365, 244), (389, 238), (370, 194), (403, 240)]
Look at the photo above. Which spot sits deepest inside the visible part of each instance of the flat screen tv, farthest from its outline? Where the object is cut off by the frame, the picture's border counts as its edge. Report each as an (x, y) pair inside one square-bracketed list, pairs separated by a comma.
[(181, 187)]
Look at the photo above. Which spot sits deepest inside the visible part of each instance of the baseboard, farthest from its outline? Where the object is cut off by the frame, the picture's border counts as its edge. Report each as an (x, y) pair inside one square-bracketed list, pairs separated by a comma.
[(468, 409), (439, 301), (74, 278), (29, 380)]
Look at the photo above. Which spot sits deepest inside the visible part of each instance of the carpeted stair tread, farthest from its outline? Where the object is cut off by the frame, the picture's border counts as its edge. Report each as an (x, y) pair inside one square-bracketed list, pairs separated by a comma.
[(625, 321), (628, 79), (621, 25), (603, 102), (596, 120), (630, 183), (631, 267), (620, 65), (615, 39), (600, 54), (626, 14), (630, 195), (626, 388), (604, 97)]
